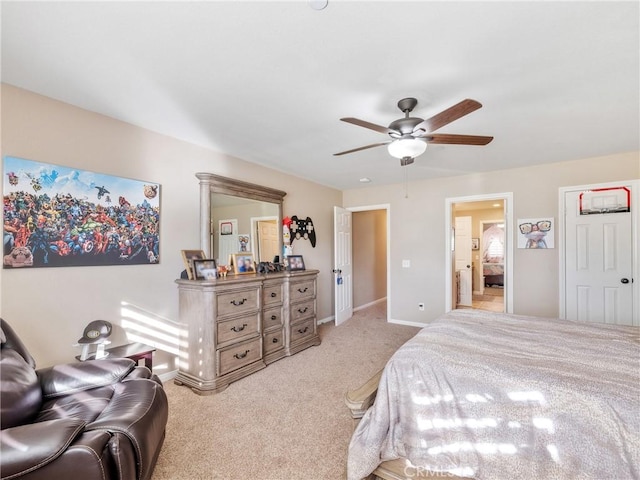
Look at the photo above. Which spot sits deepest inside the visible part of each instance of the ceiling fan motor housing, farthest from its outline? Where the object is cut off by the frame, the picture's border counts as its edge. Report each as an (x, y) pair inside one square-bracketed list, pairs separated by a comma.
[(405, 126)]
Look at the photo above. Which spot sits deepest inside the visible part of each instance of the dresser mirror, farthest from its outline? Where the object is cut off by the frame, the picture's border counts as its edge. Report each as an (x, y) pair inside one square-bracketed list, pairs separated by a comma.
[(239, 217)]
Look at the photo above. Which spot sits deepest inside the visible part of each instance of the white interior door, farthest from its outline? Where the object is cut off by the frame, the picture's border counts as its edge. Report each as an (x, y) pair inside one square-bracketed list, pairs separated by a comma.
[(462, 255), (343, 268), (227, 236), (598, 262), (268, 240)]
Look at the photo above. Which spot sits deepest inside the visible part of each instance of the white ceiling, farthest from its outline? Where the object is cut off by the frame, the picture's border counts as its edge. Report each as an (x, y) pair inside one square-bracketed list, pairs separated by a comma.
[(268, 81)]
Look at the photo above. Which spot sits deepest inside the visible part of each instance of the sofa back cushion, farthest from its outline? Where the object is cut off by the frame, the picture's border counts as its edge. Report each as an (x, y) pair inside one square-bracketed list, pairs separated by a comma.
[(20, 393), (9, 339)]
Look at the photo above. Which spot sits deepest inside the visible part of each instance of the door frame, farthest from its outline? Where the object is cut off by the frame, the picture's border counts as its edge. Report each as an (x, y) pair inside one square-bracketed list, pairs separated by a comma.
[(507, 198), (387, 208), (635, 261)]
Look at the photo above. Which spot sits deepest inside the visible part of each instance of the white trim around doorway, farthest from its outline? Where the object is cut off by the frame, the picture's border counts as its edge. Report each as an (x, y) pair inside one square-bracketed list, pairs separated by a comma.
[(507, 197), (635, 231)]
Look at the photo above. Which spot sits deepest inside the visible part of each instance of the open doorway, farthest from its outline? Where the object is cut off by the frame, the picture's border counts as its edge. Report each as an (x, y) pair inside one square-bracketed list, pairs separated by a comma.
[(478, 271), (362, 251), (369, 257)]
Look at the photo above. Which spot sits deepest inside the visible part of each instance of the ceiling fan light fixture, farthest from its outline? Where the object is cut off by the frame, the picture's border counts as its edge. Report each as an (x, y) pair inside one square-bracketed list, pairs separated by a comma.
[(407, 147)]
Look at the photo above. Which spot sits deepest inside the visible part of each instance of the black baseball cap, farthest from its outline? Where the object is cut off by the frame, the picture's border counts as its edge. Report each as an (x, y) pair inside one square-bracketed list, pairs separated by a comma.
[(96, 331)]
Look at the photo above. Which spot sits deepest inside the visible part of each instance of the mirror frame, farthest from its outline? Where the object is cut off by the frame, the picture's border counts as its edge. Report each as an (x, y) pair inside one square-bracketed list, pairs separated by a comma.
[(210, 183)]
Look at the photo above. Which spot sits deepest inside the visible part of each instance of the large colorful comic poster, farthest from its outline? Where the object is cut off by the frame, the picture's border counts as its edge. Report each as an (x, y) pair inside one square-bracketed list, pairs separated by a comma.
[(58, 216)]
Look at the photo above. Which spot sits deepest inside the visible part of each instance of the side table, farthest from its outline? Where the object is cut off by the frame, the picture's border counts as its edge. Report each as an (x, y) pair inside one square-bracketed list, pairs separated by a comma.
[(134, 351)]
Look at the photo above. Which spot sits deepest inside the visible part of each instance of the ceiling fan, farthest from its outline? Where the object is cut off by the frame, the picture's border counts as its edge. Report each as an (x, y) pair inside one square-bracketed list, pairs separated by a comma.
[(410, 135)]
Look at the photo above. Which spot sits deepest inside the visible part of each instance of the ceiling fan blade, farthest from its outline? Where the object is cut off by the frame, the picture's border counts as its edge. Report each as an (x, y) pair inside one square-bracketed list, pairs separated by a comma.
[(365, 124), (362, 148), (453, 139), (447, 116)]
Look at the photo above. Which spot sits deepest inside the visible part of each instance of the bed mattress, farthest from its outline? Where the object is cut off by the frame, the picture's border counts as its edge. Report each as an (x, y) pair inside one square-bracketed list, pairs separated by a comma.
[(496, 396)]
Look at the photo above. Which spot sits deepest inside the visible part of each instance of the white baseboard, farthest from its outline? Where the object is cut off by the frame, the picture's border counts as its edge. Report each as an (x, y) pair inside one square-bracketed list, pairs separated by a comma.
[(327, 320), (166, 377), (331, 318), (367, 305), (408, 323)]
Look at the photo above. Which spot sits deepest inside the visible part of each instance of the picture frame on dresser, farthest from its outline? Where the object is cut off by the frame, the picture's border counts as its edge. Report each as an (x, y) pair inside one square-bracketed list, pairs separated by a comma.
[(295, 263), (188, 257), (205, 269), (243, 263)]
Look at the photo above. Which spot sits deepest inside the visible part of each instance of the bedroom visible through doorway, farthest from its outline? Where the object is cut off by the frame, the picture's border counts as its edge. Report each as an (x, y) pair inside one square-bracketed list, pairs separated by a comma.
[(479, 270)]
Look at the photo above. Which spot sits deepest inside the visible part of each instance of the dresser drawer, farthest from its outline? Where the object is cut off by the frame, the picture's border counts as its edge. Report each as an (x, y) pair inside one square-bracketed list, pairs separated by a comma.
[(237, 328), (273, 341), (302, 290), (237, 302), (272, 318), (272, 294), (302, 329), (303, 310), (239, 355)]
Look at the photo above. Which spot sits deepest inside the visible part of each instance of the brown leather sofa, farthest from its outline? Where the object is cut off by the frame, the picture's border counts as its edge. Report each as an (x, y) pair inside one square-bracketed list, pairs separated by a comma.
[(100, 419)]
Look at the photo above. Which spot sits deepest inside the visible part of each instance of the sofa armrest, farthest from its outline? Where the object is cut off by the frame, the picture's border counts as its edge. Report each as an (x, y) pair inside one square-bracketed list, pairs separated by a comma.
[(139, 410), (46, 440), (76, 377)]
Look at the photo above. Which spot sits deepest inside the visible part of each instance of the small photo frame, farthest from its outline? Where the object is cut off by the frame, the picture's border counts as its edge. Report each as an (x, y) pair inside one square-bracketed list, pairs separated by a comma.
[(244, 242), (295, 263), (475, 244), (243, 263), (226, 228), (205, 269), (188, 256)]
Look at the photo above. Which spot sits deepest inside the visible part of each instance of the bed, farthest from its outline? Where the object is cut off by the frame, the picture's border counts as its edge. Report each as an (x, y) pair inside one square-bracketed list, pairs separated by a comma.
[(493, 274), (495, 396)]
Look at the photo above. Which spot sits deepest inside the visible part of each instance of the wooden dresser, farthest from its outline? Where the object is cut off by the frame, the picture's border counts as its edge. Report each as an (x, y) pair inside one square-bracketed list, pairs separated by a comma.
[(234, 326)]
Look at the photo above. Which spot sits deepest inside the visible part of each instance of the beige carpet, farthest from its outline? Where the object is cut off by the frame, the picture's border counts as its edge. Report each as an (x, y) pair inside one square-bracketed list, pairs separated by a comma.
[(285, 422)]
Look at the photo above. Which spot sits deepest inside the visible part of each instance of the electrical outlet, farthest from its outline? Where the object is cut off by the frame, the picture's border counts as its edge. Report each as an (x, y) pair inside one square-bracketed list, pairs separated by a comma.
[(421, 307)]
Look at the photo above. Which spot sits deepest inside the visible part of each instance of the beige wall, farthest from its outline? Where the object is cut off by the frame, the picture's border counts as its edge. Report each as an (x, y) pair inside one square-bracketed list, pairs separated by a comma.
[(369, 256), (417, 229), (49, 307)]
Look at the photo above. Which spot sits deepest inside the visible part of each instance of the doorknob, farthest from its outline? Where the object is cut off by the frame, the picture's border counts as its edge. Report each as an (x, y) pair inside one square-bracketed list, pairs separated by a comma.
[(468, 266), (624, 280)]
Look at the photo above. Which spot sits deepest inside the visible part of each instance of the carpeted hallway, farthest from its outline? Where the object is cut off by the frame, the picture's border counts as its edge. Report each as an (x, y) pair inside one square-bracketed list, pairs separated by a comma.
[(285, 422)]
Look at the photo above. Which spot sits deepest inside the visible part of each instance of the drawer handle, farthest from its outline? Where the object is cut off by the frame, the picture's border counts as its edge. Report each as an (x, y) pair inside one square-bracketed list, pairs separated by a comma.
[(273, 317), (302, 290), (275, 340), (241, 355), (236, 329), (301, 331), (236, 303), (274, 294), (303, 310)]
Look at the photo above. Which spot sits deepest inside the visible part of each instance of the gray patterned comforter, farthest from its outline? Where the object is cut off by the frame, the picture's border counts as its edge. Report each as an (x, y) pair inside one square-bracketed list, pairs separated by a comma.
[(495, 396)]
